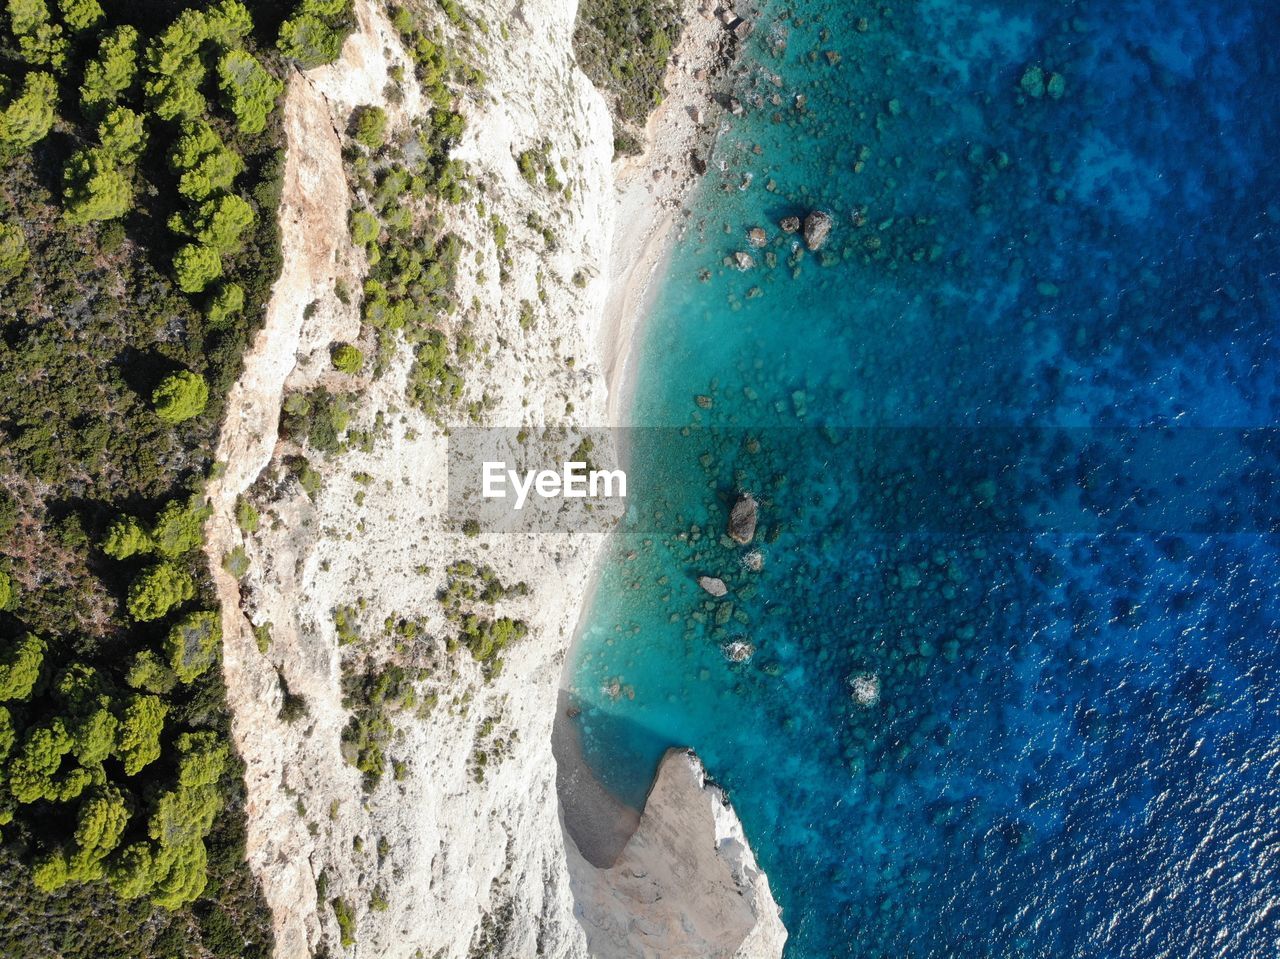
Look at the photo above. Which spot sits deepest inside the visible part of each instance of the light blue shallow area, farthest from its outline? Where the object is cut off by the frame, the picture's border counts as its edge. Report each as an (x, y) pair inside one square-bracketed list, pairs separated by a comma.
[(1076, 745)]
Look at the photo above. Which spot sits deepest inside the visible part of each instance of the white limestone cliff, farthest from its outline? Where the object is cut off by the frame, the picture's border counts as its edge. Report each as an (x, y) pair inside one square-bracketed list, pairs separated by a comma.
[(459, 851)]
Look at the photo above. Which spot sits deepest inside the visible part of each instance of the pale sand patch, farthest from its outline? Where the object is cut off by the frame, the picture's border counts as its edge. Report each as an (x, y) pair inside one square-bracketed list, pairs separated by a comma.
[(652, 188)]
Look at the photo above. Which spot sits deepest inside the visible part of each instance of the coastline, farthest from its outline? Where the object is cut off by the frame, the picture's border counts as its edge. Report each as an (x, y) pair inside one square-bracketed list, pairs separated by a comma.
[(650, 192)]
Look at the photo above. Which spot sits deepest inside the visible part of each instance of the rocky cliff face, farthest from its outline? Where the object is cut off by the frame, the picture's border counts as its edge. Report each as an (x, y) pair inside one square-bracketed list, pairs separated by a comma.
[(457, 851), (686, 886)]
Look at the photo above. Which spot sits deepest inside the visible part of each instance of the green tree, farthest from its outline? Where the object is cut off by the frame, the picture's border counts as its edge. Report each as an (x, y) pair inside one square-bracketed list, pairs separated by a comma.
[(26, 15), (86, 713), (203, 759), (203, 161), (129, 871), (127, 537), (346, 358), (20, 664), (228, 301), (316, 33), (45, 46), (249, 91), (14, 253), (159, 589), (195, 266), (113, 72), (6, 590), (370, 124), (29, 116), (96, 189), (123, 134), (138, 745), (180, 396), (180, 526), (221, 223), (80, 14), (149, 673), (365, 227), (228, 23), (99, 827), (36, 771), (192, 644), (8, 736)]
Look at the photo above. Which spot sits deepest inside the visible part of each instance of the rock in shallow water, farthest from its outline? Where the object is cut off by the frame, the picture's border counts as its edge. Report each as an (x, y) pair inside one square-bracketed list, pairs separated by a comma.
[(713, 585), (817, 226), (742, 521)]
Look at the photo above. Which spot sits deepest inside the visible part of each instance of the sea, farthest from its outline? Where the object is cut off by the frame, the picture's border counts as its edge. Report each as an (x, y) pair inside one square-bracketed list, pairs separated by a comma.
[(998, 674)]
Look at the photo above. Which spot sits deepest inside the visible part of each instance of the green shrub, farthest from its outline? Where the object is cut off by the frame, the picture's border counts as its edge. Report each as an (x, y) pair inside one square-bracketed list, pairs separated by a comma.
[(236, 562), (346, 922), (369, 127), (14, 253), (346, 358), (247, 517)]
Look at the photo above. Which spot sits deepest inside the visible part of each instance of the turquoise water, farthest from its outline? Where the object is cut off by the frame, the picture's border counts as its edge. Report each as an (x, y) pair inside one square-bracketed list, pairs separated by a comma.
[(1012, 437)]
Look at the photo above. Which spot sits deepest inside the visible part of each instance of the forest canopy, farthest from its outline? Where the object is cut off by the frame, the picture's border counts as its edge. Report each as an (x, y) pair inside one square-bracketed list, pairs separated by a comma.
[(141, 150)]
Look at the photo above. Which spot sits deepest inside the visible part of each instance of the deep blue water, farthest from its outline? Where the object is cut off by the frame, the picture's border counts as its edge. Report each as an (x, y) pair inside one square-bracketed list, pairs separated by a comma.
[(1011, 437)]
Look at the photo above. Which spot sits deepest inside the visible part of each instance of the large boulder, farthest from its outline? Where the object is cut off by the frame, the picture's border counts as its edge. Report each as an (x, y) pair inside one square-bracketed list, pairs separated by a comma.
[(817, 226), (742, 520), (713, 585)]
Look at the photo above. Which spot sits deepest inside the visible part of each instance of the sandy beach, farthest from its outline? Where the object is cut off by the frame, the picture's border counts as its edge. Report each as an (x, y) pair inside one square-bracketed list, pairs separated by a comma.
[(653, 186)]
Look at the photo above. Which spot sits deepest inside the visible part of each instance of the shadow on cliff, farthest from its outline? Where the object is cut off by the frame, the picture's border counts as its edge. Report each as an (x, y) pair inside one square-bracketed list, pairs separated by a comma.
[(596, 818)]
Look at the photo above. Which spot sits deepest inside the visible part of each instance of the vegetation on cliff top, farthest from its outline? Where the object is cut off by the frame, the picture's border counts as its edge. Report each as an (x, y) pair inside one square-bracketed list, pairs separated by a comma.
[(142, 162), (623, 48)]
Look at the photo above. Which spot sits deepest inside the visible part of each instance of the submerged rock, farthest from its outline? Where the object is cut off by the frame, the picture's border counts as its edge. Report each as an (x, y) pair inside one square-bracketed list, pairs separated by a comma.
[(713, 585), (865, 689), (817, 226), (742, 520), (754, 561)]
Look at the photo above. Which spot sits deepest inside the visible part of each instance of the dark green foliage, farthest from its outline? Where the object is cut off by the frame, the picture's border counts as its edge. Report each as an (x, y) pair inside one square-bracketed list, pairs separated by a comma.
[(192, 644), (623, 49), (467, 591), (371, 697), (318, 418), (112, 127)]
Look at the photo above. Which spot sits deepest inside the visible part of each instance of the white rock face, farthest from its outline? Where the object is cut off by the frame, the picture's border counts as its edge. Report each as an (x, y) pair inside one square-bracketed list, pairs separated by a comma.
[(458, 852), (687, 885)]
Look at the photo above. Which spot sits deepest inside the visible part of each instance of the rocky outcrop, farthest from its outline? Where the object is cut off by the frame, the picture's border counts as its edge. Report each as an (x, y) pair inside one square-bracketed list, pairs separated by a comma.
[(687, 885), (742, 520), (817, 227), (713, 585)]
